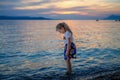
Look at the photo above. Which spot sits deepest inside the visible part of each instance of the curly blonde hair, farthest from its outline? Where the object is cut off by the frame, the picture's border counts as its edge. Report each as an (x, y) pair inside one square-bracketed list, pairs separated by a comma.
[(65, 26)]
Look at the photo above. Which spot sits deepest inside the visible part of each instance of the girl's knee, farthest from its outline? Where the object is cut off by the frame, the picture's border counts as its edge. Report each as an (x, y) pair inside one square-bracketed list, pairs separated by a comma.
[(68, 60)]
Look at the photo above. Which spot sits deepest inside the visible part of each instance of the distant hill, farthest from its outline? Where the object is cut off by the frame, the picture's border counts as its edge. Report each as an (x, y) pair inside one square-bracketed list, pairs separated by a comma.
[(22, 18), (113, 17)]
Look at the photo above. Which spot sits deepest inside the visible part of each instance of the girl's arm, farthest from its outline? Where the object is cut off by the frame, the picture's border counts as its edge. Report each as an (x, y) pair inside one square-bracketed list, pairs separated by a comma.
[(68, 46)]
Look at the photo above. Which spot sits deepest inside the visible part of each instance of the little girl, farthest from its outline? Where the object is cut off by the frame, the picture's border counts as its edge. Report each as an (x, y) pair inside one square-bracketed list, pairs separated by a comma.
[(69, 46)]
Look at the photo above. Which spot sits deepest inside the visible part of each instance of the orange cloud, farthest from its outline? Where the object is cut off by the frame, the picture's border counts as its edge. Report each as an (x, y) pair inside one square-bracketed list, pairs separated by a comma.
[(29, 1), (92, 8), (30, 7), (65, 12), (59, 4)]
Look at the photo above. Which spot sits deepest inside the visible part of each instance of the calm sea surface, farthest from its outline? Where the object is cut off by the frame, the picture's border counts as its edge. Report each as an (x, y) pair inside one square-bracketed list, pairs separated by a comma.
[(33, 50)]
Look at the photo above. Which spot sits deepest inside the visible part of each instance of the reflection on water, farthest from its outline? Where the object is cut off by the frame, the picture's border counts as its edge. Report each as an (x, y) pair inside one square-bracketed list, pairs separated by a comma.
[(33, 49)]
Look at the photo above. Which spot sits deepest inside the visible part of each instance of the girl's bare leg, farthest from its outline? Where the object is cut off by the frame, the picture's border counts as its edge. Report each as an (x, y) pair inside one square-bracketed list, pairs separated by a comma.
[(69, 69)]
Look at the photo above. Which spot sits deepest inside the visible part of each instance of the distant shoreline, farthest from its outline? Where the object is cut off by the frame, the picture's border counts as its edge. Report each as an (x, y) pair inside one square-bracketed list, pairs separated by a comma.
[(65, 19), (23, 18), (2, 17), (52, 20)]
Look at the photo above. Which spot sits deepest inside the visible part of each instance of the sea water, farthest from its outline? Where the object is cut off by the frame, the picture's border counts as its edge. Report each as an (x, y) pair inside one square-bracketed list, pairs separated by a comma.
[(33, 50)]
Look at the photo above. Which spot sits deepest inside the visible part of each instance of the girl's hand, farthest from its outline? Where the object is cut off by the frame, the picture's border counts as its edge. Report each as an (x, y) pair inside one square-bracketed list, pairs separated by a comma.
[(67, 54)]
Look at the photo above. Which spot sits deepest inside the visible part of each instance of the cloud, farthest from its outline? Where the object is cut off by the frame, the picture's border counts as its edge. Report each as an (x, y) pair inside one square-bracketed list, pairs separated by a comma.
[(59, 7), (65, 12), (113, 1)]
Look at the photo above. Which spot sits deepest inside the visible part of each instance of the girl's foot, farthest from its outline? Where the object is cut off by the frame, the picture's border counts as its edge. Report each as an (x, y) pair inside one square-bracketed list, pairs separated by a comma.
[(68, 73)]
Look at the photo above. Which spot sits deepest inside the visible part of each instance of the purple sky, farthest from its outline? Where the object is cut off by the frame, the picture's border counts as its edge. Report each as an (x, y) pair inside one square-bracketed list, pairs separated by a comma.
[(62, 9)]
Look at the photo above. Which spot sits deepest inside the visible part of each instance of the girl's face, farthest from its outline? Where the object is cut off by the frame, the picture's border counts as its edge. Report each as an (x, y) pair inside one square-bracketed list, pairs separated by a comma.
[(62, 30)]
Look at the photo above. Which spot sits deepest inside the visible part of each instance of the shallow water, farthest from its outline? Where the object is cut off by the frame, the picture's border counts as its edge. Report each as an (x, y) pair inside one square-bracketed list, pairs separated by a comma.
[(32, 49)]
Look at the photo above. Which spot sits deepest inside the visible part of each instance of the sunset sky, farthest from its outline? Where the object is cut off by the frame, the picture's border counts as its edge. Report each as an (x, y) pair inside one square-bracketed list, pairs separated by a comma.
[(61, 9)]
